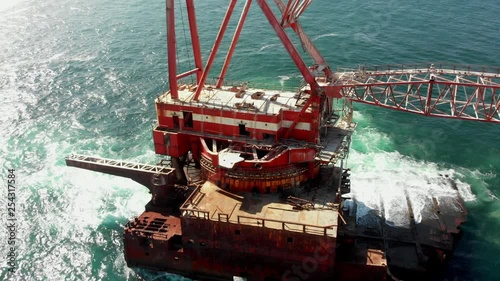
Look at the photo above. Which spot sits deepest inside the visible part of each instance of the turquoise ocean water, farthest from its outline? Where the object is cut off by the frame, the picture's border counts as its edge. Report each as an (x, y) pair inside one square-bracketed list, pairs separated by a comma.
[(82, 76)]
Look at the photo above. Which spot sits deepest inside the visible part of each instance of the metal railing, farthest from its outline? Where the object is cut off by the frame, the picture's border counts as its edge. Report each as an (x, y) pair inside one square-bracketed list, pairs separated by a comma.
[(289, 226), (262, 222), (188, 212), (96, 163), (436, 66)]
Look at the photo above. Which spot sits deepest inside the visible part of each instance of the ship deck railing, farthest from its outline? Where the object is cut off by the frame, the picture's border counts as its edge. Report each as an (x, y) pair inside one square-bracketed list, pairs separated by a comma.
[(194, 213), (190, 211), (286, 225), (261, 222)]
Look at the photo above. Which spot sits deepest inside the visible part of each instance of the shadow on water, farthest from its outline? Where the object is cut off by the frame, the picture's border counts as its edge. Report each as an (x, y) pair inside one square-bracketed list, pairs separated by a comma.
[(478, 249)]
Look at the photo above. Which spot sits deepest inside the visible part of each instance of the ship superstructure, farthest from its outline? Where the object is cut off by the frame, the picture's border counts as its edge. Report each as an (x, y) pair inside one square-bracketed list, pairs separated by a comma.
[(255, 184)]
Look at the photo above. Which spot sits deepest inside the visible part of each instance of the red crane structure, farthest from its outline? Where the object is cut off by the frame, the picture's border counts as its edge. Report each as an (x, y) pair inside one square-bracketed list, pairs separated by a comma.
[(256, 185)]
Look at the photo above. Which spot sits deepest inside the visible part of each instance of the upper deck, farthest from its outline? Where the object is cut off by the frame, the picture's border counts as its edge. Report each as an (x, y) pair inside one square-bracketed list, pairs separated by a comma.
[(267, 102)]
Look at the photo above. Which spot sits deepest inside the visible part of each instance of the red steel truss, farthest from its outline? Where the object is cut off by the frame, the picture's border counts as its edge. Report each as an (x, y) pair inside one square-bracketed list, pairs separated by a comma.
[(306, 42), (470, 93), (450, 91), (293, 9)]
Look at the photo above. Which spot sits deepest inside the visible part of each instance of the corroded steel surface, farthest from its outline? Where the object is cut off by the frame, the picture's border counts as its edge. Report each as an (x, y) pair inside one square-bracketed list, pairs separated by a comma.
[(257, 187), (216, 234), (264, 210)]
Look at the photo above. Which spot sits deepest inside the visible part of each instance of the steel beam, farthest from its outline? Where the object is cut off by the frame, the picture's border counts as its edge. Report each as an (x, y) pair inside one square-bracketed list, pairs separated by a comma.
[(141, 173), (187, 73), (233, 43), (171, 50), (195, 41), (297, 59), (307, 44), (214, 50)]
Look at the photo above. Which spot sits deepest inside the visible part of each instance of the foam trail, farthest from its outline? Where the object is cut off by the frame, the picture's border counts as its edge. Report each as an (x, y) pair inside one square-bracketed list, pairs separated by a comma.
[(388, 178), (325, 35), (283, 79), (268, 46)]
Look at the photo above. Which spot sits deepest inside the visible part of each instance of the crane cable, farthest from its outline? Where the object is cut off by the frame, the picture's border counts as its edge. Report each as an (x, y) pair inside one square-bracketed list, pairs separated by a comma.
[(185, 42)]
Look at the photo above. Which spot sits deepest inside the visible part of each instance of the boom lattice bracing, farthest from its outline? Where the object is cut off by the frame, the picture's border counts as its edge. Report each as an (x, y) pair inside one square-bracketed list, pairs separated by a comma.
[(459, 92)]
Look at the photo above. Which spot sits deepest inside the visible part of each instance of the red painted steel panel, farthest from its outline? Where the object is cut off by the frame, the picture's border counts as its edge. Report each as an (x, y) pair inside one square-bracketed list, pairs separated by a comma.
[(215, 48), (179, 144), (171, 49), (302, 155)]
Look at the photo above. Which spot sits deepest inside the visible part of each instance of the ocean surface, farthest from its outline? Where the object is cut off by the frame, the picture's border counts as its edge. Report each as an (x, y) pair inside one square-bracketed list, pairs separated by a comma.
[(82, 76)]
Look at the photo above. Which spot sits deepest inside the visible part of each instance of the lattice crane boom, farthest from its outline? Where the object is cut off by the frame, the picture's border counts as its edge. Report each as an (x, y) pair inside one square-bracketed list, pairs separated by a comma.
[(458, 92)]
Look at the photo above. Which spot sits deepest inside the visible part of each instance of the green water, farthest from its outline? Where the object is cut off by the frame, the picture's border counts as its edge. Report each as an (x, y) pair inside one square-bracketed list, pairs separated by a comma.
[(81, 77)]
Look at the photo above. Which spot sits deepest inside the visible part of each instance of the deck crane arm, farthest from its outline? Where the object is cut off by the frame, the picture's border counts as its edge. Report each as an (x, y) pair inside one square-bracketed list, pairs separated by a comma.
[(279, 28), (448, 91)]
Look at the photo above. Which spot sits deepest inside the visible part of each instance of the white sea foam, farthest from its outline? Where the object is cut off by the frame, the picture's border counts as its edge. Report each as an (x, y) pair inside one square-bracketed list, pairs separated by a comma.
[(6, 4), (382, 176), (283, 79), (269, 46), (325, 35)]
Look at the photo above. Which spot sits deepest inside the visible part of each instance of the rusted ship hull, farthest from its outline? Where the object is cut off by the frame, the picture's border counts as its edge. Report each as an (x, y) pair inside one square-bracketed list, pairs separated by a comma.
[(198, 246), (218, 246), (223, 260), (205, 232)]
